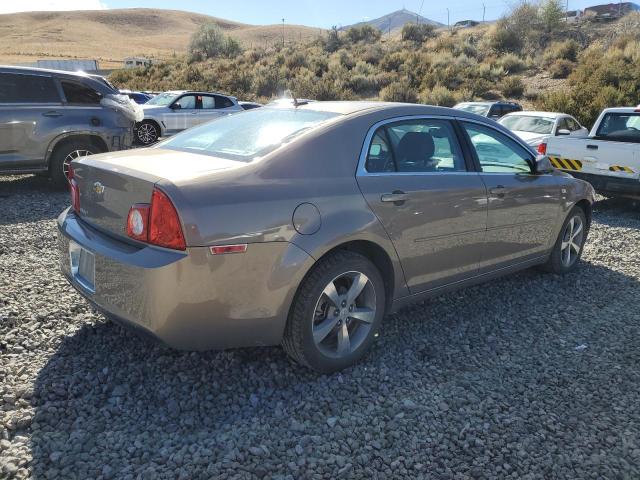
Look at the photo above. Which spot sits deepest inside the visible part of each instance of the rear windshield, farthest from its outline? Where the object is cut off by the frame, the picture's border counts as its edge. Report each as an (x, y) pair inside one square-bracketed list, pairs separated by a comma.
[(622, 127), (476, 108), (247, 135), (527, 123)]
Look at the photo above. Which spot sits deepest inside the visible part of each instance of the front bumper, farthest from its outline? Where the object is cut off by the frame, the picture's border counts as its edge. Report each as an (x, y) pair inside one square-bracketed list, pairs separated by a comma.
[(189, 300)]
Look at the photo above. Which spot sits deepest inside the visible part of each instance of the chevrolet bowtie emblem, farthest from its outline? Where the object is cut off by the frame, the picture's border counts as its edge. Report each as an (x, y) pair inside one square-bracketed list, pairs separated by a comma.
[(98, 188)]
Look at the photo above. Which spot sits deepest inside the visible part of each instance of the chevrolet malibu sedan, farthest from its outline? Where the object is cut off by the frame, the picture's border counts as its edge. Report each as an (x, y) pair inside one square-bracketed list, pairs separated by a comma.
[(303, 226)]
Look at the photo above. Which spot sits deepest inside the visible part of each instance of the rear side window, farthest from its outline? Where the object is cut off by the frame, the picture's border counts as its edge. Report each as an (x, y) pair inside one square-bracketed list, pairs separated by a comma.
[(422, 145), (78, 94), (621, 127), (223, 102), (20, 88)]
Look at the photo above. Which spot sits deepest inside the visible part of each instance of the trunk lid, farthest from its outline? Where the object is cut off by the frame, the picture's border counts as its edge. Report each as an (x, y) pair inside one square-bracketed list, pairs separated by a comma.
[(111, 183)]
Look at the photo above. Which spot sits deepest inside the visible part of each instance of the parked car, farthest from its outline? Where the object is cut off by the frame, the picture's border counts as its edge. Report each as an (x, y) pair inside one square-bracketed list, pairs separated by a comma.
[(608, 158), (172, 112), (139, 97), (304, 226), (535, 127), (49, 117), (491, 110), (250, 105)]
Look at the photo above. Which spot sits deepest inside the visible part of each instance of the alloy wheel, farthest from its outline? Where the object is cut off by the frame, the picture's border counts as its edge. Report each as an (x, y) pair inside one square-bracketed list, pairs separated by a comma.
[(71, 157), (147, 133), (344, 314), (571, 241)]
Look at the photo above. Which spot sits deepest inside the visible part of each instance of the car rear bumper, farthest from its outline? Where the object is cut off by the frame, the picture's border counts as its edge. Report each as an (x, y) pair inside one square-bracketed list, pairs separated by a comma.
[(190, 300)]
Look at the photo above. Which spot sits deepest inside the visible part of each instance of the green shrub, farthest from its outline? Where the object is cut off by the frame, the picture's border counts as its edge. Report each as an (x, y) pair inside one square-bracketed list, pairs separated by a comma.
[(365, 33), (512, 87), (501, 38), (417, 32), (511, 63), (399, 91), (566, 50), (561, 68), (440, 95), (210, 42), (392, 62)]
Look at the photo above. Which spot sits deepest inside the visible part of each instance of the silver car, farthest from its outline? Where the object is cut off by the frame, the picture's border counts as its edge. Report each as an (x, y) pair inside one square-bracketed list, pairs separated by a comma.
[(536, 127), (305, 226), (174, 111)]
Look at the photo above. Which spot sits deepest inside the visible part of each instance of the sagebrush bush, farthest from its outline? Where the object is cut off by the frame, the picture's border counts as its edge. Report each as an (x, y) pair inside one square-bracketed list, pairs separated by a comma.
[(512, 87), (566, 50), (561, 68), (440, 96), (511, 63), (399, 91)]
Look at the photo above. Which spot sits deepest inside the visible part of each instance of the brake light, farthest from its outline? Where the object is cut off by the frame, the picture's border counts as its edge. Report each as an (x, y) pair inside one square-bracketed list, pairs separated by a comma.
[(542, 148), (164, 224), (74, 190), (138, 222), (156, 223)]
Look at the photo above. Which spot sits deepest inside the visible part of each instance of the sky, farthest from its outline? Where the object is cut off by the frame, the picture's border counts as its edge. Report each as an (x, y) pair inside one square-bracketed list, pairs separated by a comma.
[(315, 13)]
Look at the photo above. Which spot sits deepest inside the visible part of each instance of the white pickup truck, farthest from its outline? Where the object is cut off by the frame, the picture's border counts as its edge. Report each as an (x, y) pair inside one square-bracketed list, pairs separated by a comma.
[(609, 158)]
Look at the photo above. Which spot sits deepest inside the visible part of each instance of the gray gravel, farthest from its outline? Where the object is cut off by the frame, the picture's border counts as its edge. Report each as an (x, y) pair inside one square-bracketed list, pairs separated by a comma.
[(532, 376)]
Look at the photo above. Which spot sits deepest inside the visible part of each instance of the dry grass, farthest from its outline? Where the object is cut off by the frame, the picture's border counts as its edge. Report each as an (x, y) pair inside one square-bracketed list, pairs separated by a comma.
[(111, 35)]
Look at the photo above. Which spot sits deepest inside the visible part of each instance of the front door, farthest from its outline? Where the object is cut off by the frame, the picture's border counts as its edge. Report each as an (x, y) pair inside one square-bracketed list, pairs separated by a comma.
[(182, 117), (523, 206), (433, 207)]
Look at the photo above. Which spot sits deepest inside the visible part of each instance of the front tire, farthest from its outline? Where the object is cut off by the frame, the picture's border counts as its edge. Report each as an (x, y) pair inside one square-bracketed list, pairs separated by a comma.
[(567, 250), (147, 133), (336, 313), (62, 158)]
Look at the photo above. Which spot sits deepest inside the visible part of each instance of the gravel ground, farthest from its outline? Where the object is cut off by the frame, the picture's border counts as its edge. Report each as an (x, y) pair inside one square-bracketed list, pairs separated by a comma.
[(532, 376)]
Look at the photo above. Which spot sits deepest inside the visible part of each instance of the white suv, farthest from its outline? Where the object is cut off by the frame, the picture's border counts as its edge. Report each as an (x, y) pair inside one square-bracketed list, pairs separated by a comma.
[(174, 111)]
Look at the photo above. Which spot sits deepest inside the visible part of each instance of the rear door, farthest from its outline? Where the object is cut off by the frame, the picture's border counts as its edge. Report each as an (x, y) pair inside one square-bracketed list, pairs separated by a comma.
[(30, 107), (523, 206), (415, 178), (214, 106)]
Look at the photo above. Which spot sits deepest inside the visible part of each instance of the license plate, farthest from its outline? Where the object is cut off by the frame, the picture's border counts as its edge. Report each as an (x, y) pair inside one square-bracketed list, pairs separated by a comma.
[(83, 266)]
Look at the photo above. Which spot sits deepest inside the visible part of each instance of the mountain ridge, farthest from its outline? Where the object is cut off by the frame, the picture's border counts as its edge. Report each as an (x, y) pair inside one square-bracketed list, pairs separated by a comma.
[(395, 20)]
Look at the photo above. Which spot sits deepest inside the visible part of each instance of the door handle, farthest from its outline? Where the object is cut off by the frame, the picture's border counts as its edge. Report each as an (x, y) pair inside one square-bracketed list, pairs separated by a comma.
[(52, 113), (398, 197), (498, 191), (592, 147)]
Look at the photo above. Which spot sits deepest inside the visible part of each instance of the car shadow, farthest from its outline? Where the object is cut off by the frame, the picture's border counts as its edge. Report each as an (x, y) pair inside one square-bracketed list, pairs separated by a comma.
[(109, 397), (615, 212)]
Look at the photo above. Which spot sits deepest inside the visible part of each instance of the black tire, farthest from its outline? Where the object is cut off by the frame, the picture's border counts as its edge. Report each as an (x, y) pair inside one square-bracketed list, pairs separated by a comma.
[(298, 339), (147, 132), (61, 157), (556, 262)]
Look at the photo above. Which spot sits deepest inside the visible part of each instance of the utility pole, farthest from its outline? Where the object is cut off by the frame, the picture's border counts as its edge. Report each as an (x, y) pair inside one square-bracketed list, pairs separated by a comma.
[(283, 32), (419, 13), (484, 10)]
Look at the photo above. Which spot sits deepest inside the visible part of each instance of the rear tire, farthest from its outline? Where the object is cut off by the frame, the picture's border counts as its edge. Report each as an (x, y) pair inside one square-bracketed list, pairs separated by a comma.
[(147, 133), (63, 155), (336, 313), (567, 250)]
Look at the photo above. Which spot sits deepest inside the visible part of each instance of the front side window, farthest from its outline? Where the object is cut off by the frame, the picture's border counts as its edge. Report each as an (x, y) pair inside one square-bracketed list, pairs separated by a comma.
[(20, 88), (573, 125), (622, 127), (423, 145), (563, 124), (78, 94), (187, 102), (496, 152), (163, 99), (246, 137)]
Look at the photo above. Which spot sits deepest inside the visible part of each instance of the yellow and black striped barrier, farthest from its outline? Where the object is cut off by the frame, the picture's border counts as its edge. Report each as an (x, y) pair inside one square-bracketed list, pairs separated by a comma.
[(566, 163), (618, 168)]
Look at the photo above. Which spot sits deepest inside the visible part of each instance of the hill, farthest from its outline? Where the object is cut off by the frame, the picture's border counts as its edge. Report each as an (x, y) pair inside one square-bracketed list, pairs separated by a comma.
[(111, 35), (395, 21)]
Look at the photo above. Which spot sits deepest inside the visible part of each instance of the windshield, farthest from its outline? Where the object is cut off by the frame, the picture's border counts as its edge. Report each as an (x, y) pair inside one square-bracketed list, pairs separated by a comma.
[(163, 99), (476, 108), (623, 127), (526, 123), (248, 135)]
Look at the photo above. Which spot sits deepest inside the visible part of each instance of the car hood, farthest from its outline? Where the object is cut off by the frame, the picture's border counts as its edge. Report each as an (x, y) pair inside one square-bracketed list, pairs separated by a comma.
[(148, 108), (532, 139)]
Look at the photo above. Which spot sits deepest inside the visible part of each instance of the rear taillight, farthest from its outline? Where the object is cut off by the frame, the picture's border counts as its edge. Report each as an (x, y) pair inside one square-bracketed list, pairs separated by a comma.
[(156, 223), (542, 148), (74, 190), (138, 222)]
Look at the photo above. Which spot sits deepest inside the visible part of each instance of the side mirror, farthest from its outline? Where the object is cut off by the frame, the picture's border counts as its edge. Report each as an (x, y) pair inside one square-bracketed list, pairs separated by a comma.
[(564, 131), (543, 164), (175, 106)]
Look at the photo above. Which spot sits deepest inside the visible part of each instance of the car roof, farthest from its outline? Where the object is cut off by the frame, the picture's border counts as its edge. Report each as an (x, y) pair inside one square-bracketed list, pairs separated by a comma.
[(621, 110), (91, 77)]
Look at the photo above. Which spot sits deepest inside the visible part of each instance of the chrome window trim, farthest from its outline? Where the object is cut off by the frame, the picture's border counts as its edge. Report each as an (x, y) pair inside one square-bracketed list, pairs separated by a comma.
[(362, 161)]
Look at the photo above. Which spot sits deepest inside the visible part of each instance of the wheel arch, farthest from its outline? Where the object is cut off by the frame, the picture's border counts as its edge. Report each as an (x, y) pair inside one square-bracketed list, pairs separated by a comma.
[(60, 141), (157, 123), (587, 208)]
